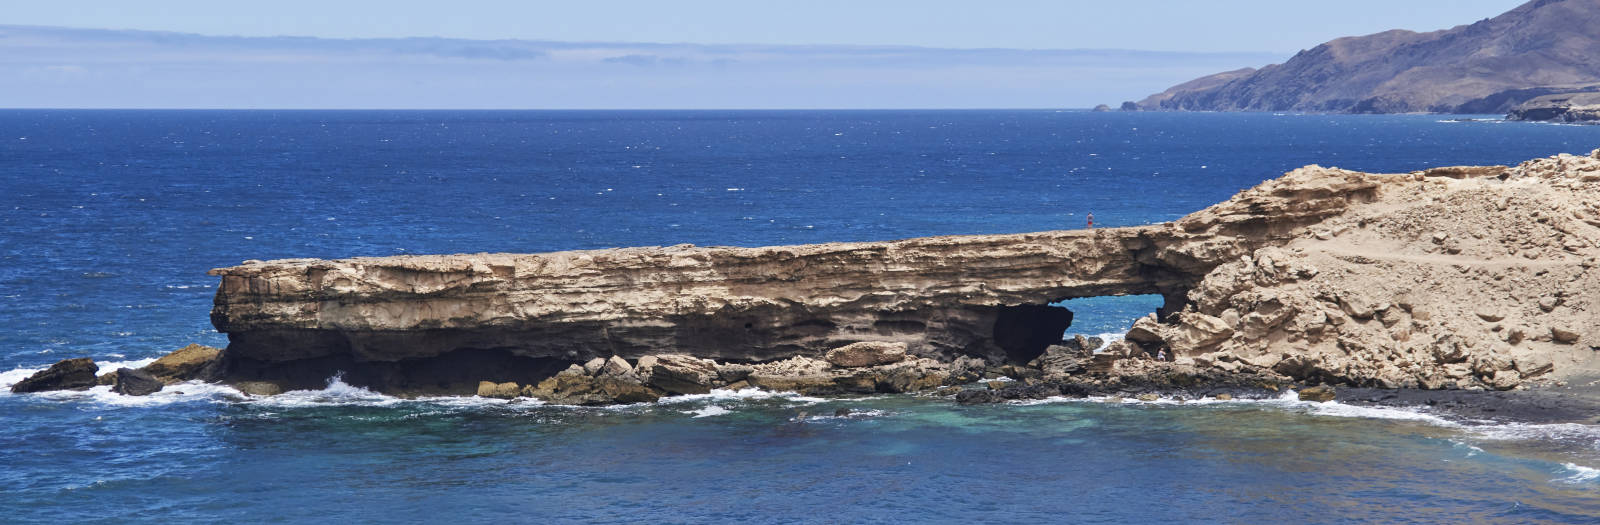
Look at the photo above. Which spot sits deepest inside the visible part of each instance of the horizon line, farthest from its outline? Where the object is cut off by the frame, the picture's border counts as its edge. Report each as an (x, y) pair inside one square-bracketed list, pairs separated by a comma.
[(648, 43)]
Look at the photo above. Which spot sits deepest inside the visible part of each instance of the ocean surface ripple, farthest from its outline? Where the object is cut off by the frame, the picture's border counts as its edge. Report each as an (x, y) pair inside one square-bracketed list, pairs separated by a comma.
[(109, 219)]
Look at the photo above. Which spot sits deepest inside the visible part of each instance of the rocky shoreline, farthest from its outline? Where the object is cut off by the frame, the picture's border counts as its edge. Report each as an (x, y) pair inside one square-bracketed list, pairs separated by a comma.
[(1470, 286), (1570, 108)]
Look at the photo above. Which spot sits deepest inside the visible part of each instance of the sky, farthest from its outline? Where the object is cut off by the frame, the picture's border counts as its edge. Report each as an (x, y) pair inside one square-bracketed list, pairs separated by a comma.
[(615, 54), (1277, 26)]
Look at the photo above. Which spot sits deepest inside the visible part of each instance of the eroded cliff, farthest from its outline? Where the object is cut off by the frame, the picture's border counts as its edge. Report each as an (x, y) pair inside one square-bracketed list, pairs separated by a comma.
[(1450, 277)]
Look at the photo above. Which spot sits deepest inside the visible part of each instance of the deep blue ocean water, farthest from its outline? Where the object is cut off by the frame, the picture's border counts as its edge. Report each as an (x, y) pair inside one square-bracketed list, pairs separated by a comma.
[(109, 220)]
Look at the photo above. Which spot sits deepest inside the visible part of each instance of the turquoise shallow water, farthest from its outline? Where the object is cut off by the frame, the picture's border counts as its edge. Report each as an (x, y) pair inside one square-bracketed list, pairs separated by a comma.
[(109, 219)]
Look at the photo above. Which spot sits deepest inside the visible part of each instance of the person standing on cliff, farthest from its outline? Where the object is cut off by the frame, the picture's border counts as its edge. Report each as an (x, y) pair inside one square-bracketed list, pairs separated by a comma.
[(1091, 220)]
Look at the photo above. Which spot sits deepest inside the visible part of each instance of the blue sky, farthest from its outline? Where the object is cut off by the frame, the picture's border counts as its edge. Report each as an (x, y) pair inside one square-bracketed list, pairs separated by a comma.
[(1168, 25), (659, 55)]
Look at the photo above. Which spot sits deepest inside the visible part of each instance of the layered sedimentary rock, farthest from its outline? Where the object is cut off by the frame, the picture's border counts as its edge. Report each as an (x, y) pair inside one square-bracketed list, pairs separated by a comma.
[(943, 297), (1453, 277)]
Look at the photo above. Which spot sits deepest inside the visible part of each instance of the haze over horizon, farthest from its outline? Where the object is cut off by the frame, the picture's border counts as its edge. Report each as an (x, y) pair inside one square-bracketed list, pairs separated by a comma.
[(642, 55)]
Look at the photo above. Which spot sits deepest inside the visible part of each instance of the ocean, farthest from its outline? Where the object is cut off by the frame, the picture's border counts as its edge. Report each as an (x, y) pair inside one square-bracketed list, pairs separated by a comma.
[(109, 220)]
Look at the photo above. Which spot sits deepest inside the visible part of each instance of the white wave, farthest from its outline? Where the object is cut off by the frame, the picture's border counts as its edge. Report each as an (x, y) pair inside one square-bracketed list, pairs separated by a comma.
[(708, 411), (1561, 432), (1580, 474), (747, 394), (337, 392), (854, 414), (1106, 339)]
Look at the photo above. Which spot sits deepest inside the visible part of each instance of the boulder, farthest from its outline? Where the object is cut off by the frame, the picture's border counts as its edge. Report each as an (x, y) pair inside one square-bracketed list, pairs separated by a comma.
[(130, 382), (682, 374), (574, 386), (183, 364), (734, 372), (616, 367), (1320, 394), (1064, 360), (626, 391), (1145, 330), (69, 374), (866, 353), (1199, 333), (507, 390), (258, 388), (1505, 380), (966, 369), (1563, 335), (1532, 364), (805, 384)]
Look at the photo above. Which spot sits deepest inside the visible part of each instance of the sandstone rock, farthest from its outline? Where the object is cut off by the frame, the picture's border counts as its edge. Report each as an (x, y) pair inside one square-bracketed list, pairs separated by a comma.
[(130, 382), (1148, 397), (867, 353), (816, 383), (69, 374), (1062, 360), (1224, 397), (1145, 330), (1358, 306), (616, 367), (499, 390), (626, 391), (1489, 314), (1198, 332), (258, 388), (966, 369), (734, 372), (593, 366), (1548, 303), (1563, 335), (682, 374), (1505, 380), (1448, 350), (184, 364), (1320, 394), (1234, 275), (911, 380), (1532, 364)]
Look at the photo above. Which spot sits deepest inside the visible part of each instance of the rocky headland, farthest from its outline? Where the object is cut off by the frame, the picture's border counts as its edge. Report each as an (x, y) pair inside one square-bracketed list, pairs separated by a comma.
[(1450, 279), (1543, 47), (1574, 108)]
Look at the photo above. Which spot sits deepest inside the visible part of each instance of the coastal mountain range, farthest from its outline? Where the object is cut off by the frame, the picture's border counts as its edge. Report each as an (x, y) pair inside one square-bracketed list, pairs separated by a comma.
[(1541, 48)]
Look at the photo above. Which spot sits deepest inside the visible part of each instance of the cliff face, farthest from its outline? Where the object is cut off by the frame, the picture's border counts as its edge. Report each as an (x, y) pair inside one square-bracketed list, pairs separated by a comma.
[(1453, 277), (984, 295), (1581, 107), (1539, 48)]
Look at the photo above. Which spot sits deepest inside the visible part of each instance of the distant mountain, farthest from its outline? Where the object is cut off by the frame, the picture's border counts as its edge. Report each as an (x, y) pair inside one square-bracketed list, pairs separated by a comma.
[(1541, 48)]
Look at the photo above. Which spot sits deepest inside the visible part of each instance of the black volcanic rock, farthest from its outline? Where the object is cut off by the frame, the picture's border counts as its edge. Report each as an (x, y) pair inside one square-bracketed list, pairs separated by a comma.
[(132, 382), (69, 374), (1542, 47)]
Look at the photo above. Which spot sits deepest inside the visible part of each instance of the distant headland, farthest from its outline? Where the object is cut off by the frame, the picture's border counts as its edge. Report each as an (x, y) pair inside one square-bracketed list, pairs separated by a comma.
[(1526, 62)]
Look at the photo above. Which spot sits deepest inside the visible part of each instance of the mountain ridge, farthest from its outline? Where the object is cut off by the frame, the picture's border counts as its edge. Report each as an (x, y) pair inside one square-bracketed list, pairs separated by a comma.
[(1540, 48)]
